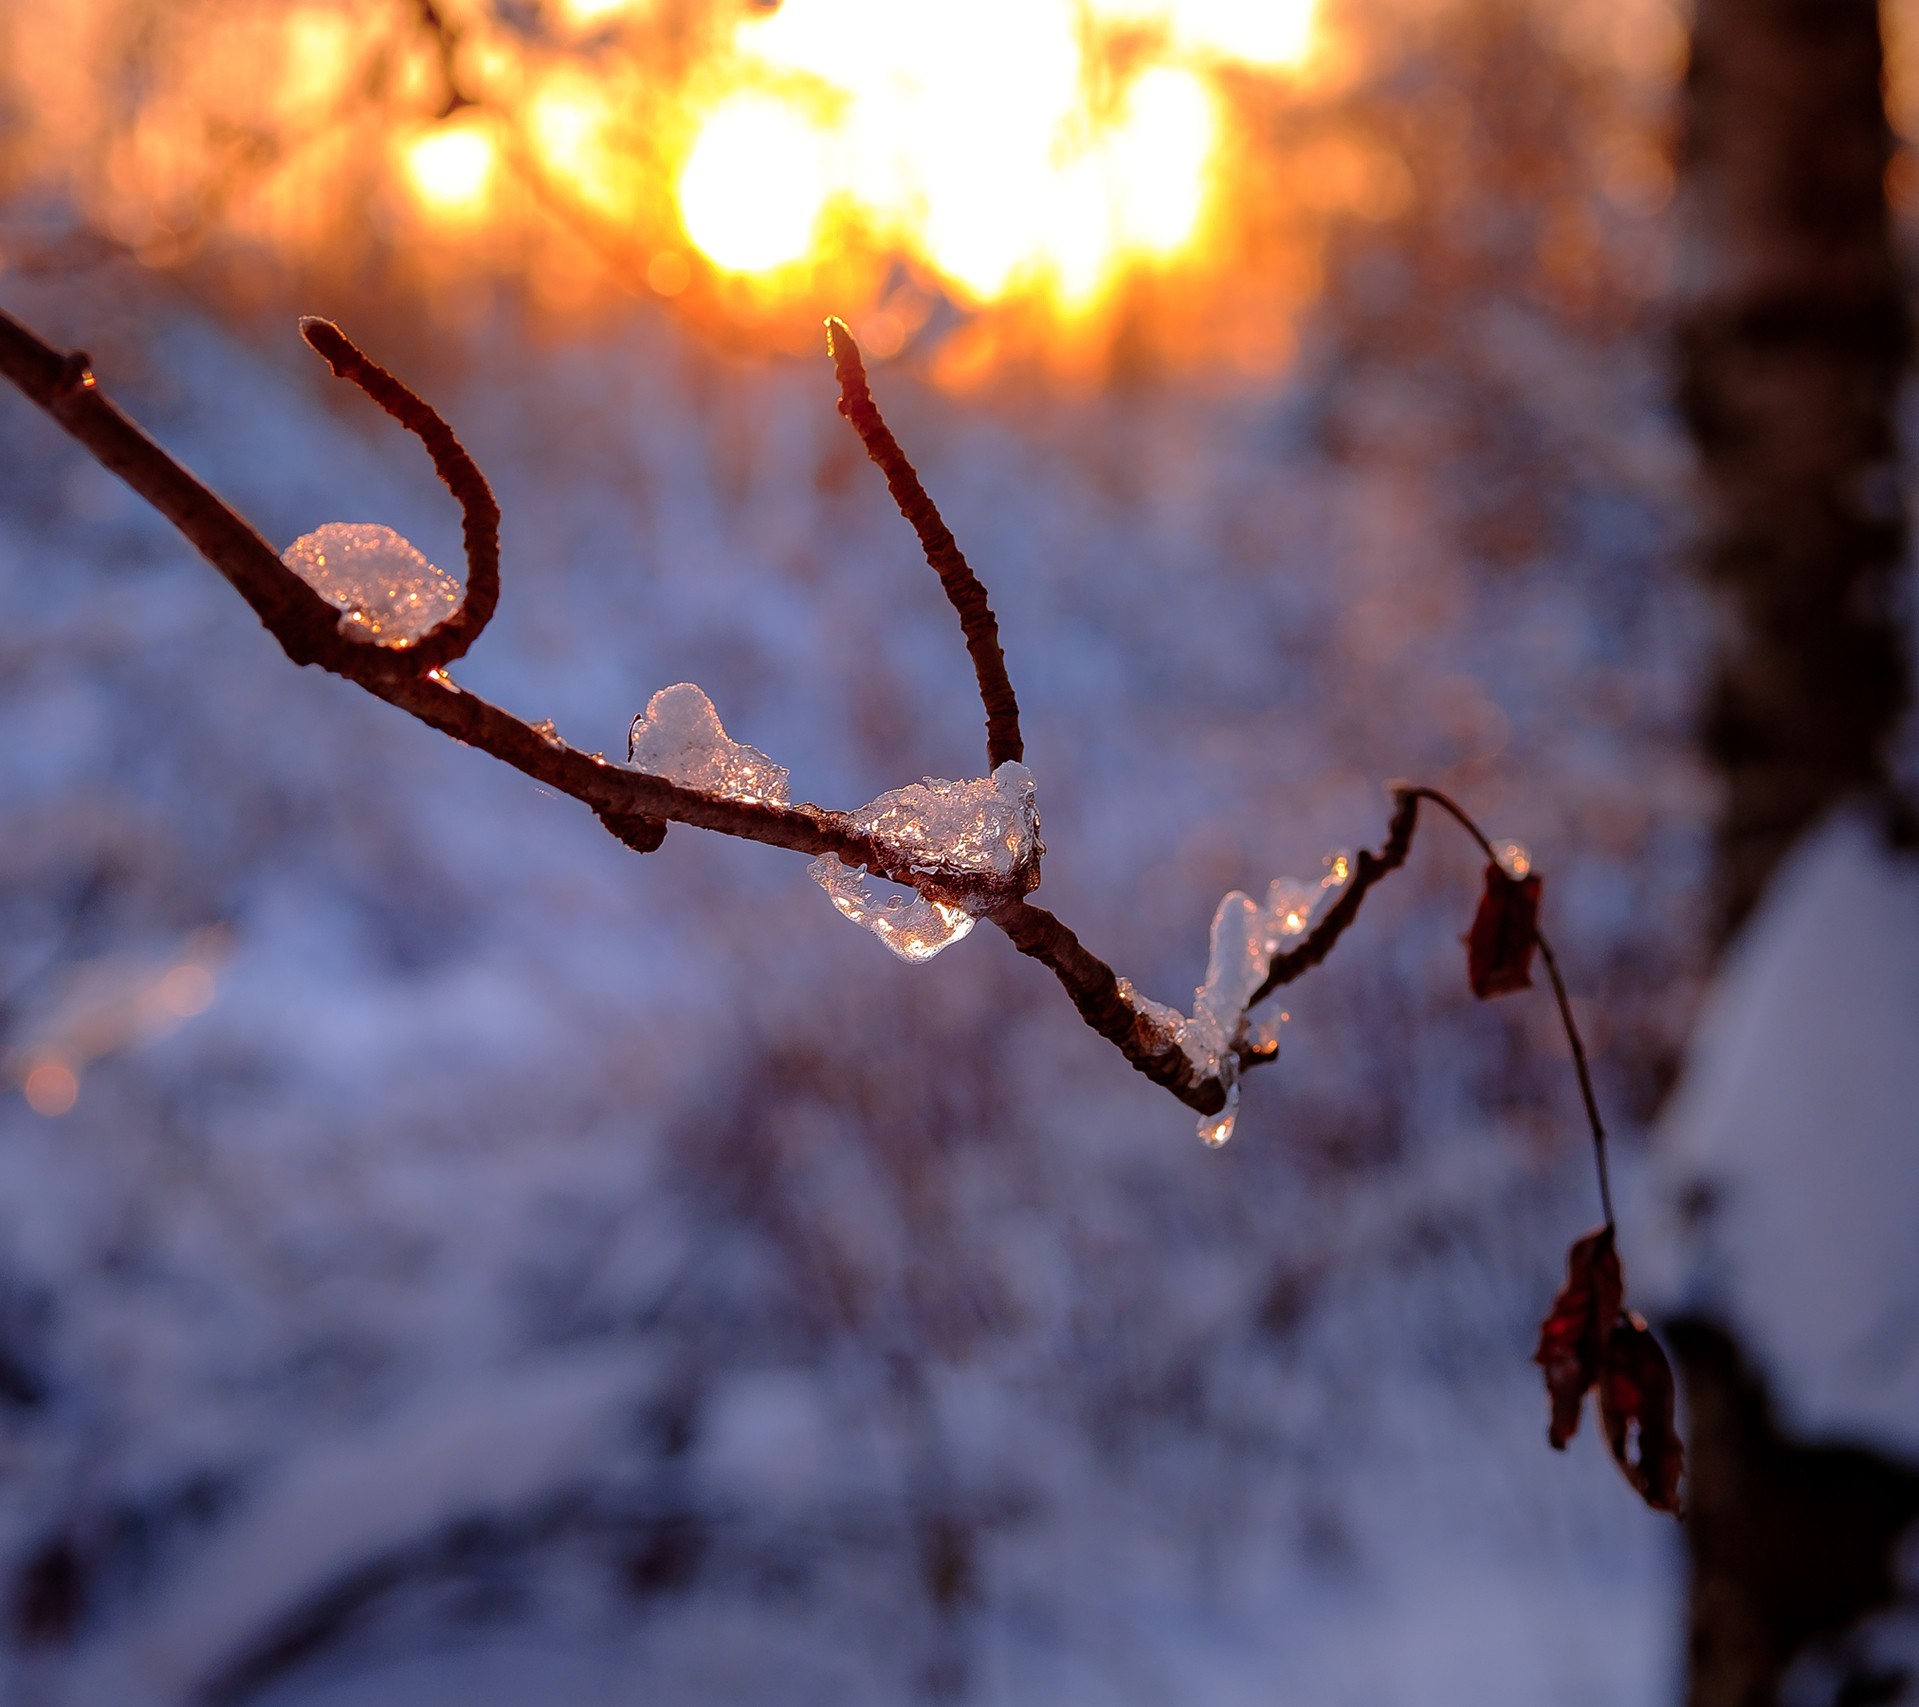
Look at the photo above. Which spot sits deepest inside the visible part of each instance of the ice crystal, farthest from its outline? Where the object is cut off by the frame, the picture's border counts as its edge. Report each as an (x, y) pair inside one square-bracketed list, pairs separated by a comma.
[(679, 737), (984, 827), (913, 926), (386, 591), (1246, 936)]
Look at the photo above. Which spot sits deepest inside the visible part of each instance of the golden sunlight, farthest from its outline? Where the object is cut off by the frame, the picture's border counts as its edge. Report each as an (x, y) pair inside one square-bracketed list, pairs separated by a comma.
[(450, 168), (1049, 169), (754, 184)]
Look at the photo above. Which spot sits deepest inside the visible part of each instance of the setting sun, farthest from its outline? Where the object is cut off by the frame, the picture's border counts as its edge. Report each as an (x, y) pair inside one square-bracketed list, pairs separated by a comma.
[(451, 169), (754, 185), (1059, 182)]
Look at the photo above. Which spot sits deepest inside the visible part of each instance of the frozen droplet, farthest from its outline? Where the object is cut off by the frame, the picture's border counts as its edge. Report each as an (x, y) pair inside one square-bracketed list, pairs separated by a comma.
[(1512, 858), (548, 732), (679, 737), (914, 926), (1289, 910), (386, 591), (984, 827), (1215, 1129)]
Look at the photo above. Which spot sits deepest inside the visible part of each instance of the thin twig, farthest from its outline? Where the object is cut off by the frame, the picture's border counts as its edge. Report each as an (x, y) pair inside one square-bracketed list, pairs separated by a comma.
[(962, 586), (634, 805), (479, 510), (1585, 1073), (1573, 1040), (1368, 869), (1094, 989), (629, 803)]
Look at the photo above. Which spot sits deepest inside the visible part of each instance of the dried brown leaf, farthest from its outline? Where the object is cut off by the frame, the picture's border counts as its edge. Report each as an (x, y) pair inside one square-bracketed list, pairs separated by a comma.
[(1499, 947), (1636, 1405), (1573, 1337)]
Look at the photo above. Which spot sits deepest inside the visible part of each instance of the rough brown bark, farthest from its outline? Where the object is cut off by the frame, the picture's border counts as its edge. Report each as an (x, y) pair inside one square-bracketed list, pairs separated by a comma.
[(1793, 342)]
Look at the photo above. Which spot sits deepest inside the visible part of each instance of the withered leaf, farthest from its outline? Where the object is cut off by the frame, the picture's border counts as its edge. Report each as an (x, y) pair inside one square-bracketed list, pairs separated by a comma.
[(1499, 947), (1573, 1337), (1636, 1405)]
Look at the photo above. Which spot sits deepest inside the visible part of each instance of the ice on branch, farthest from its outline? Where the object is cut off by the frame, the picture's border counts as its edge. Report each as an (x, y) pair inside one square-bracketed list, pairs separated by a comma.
[(915, 927), (679, 737), (981, 836), (386, 591), (1220, 1033), (1513, 858), (983, 828)]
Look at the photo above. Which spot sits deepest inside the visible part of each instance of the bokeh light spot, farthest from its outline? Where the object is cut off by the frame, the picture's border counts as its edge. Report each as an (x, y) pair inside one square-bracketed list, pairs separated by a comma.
[(450, 169), (52, 1087)]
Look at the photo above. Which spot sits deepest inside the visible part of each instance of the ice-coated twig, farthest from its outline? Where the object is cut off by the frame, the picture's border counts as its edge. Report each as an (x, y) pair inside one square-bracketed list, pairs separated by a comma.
[(307, 627), (961, 585), (479, 511), (994, 865)]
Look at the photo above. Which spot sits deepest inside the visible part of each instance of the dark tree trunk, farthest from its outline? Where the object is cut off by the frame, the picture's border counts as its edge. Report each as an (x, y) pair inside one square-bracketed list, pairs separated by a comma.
[(1790, 1543), (1793, 344)]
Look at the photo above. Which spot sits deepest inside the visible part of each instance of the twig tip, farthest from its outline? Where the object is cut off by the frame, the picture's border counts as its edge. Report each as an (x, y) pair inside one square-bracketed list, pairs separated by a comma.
[(326, 340)]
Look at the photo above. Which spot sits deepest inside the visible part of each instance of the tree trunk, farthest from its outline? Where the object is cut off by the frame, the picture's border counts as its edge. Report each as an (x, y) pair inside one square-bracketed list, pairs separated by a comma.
[(1793, 345)]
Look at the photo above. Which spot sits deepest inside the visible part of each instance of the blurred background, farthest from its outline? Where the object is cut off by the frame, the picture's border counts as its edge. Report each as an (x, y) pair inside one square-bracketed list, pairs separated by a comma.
[(447, 1258)]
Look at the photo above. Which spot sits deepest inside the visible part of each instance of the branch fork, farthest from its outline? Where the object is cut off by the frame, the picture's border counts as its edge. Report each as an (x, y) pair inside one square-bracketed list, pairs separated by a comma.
[(636, 806)]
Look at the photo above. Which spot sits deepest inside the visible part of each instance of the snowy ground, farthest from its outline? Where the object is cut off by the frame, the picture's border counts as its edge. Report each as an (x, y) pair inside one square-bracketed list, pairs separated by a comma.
[(545, 1274)]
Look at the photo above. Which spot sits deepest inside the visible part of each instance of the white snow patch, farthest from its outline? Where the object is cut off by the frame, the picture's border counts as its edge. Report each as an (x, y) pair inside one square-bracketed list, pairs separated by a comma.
[(491, 1450), (1787, 1165)]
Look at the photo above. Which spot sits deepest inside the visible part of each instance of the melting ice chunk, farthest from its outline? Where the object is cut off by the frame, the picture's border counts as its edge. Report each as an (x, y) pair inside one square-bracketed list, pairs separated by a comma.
[(913, 926), (985, 827), (679, 737), (388, 593)]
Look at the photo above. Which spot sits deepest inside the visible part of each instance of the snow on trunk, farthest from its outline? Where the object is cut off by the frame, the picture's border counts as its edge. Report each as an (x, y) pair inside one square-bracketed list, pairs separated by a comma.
[(1787, 1165)]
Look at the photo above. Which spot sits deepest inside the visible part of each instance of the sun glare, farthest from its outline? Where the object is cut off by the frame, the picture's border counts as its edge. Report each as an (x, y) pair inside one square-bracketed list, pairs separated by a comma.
[(1065, 160), (998, 168), (754, 185), (451, 169)]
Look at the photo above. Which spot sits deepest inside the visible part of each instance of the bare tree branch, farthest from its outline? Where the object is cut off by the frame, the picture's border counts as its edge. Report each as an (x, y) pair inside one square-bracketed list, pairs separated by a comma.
[(636, 806), (450, 639), (961, 585)]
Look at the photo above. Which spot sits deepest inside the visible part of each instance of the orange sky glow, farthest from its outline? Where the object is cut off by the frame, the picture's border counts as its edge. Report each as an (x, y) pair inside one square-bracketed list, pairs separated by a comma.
[(1054, 162)]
